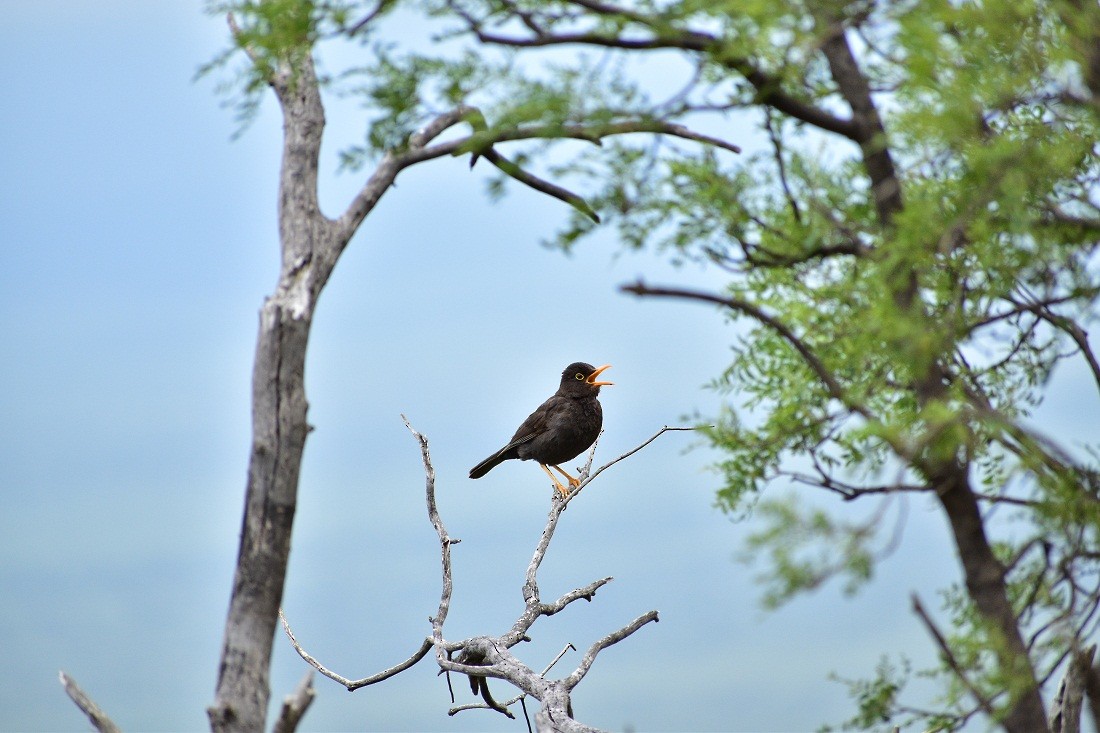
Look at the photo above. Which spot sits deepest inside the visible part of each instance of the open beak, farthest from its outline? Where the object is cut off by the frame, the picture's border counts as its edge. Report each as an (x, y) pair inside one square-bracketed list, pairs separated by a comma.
[(592, 377)]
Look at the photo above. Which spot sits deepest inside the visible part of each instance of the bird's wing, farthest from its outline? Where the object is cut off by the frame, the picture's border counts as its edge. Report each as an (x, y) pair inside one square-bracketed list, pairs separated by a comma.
[(535, 424), (516, 442)]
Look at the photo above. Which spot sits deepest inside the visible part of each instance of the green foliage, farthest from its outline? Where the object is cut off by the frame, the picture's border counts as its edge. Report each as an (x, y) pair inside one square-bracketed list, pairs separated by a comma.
[(877, 699), (399, 92), (274, 33), (934, 329), (806, 547), (903, 338)]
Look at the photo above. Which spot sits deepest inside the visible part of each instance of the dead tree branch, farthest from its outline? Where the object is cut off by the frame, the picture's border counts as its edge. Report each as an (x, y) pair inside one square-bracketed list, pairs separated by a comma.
[(100, 720), (353, 685), (295, 705), (482, 657), (613, 638), (1065, 713)]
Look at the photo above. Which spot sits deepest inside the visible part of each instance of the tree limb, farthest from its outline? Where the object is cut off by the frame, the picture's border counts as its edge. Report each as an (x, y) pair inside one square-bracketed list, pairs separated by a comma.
[(480, 142), (768, 87), (538, 184), (834, 388), (1065, 714), (870, 132), (295, 705), (353, 685), (100, 720), (483, 657), (613, 638), (629, 453), (949, 657)]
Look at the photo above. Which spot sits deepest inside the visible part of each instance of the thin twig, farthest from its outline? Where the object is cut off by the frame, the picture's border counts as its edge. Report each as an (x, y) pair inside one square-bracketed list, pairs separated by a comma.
[(100, 720), (532, 181), (949, 657), (366, 20), (587, 592), (445, 540), (631, 452), (353, 685)]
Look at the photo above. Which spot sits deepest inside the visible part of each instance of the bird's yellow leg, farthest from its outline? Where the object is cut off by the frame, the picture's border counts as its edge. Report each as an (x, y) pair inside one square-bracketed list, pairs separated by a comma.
[(574, 483), (564, 491)]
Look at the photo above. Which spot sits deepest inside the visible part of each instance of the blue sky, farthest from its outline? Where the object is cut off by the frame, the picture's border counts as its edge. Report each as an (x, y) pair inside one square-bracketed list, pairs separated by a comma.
[(138, 243)]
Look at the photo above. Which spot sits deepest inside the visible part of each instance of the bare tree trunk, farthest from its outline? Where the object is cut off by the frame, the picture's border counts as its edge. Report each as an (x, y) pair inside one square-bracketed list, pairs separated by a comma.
[(279, 408)]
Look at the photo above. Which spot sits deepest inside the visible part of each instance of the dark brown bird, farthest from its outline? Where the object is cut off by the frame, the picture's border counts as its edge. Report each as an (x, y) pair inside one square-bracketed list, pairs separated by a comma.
[(561, 428)]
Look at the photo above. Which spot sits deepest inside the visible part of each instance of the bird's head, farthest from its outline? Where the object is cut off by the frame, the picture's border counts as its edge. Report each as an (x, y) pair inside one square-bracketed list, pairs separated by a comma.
[(581, 378)]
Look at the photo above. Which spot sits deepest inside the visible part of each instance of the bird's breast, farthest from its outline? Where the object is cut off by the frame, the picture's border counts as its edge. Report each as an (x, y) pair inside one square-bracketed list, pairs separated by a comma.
[(571, 427)]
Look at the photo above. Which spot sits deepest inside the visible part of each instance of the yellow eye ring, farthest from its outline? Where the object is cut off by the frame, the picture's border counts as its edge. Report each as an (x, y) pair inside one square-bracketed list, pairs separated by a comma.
[(578, 375)]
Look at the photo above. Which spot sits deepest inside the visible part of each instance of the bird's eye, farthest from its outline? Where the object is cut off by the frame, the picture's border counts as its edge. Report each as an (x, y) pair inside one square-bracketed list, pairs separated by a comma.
[(578, 375)]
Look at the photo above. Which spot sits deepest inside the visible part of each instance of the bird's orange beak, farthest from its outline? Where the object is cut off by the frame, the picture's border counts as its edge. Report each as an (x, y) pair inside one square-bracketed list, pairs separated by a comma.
[(592, 377)]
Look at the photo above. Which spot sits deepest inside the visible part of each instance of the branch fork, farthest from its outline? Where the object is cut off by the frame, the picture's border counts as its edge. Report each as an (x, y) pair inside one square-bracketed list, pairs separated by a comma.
[(482, 657)]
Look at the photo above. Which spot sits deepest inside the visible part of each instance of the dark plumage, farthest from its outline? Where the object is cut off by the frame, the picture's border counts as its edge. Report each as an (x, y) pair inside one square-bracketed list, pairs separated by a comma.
[(561, 428)]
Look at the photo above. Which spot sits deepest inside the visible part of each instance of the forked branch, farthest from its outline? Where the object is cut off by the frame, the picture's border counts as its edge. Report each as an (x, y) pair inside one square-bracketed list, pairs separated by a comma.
[(484, 657)]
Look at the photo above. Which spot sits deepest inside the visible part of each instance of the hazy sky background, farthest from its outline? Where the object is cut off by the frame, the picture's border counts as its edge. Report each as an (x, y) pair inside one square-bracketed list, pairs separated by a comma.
[(138, 243)]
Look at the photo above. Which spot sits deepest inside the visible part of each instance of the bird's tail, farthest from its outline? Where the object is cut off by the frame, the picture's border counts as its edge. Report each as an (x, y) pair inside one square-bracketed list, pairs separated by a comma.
[(489, 463)]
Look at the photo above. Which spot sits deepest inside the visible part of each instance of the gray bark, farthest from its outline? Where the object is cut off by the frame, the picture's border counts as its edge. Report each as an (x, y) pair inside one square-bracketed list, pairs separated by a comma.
[(279, 408), (310, 246)]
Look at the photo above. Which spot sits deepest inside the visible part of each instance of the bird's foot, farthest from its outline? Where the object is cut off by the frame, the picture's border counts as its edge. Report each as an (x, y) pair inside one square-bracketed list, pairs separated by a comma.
[(557, 484)]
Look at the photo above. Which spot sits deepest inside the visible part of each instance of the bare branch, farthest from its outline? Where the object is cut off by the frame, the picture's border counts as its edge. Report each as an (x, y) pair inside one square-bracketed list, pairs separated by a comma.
[(445, 540), (587, 592), (483, 657), (353, 685), (613, 638), (100, 720), (629, 453), (295, 705), (1065, 714), (441, 614), (518, 698)]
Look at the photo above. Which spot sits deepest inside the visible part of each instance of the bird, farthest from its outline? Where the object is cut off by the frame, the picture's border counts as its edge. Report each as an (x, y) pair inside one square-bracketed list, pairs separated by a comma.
[(562, 427)]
